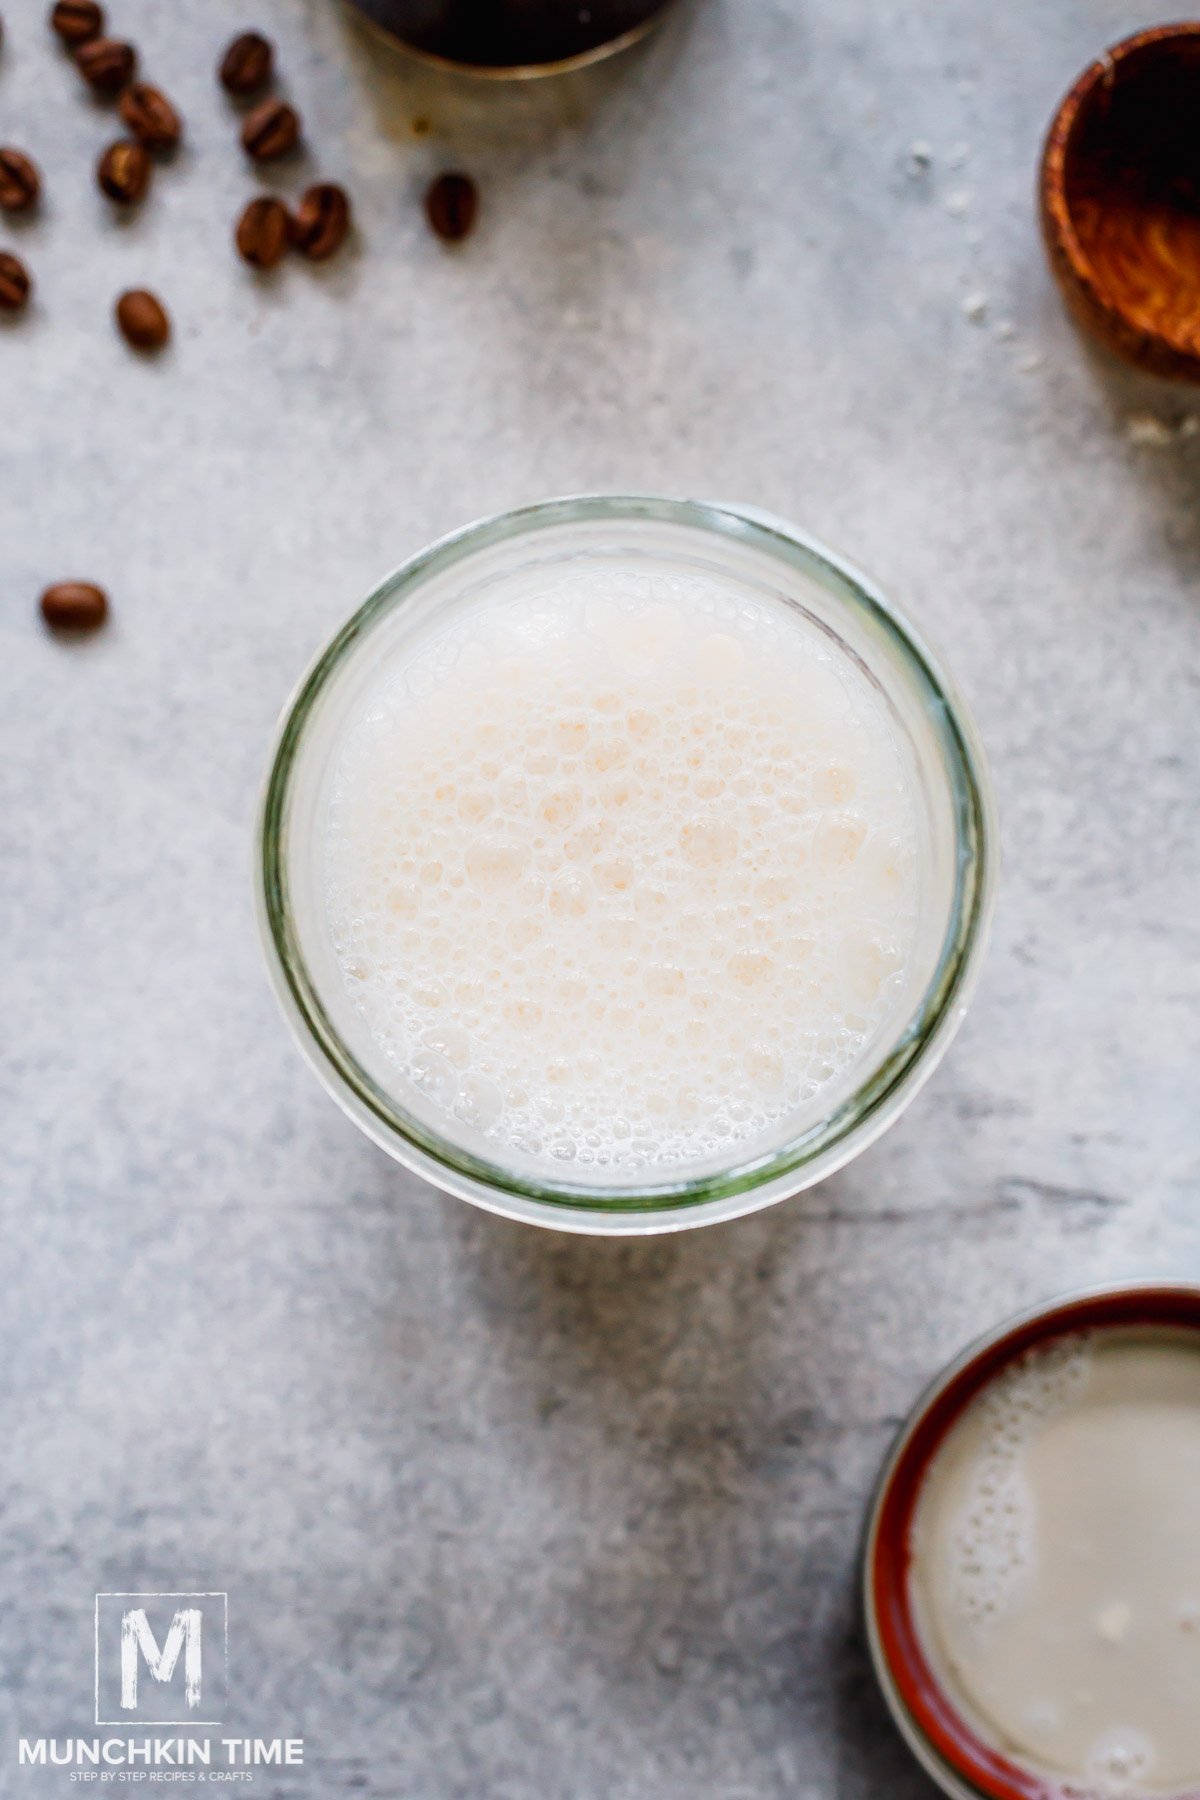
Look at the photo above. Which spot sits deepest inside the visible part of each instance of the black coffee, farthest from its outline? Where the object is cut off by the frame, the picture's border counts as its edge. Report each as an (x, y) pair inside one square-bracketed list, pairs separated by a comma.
[(507, 33)]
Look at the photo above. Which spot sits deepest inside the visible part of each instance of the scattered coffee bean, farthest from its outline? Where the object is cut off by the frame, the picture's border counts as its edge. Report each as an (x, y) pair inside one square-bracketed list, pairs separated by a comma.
[(76, 21), (124, 171), (246, 64), (262, 232), (15, 284), (74, 606), (150, 116), (321, 221), (271, 130), (143, 320), (20, 183), (106, 64), (451, 204)]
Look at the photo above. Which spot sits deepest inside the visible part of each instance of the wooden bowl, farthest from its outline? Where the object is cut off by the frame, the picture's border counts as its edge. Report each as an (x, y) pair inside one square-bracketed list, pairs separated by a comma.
[(1120, 199)]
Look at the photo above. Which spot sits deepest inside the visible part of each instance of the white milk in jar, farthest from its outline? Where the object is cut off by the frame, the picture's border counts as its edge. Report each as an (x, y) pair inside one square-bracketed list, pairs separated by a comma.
[(624, 870)]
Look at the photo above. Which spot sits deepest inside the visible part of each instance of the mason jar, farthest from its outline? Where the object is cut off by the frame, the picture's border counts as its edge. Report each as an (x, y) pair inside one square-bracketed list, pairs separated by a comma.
[(742, 551)]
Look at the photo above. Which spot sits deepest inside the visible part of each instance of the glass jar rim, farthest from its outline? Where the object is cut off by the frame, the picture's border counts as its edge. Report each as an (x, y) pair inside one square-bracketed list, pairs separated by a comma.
[(646, 1202)]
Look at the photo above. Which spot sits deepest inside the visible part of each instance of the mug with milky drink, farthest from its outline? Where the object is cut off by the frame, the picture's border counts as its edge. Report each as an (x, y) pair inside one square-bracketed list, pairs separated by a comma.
[(625, 863), (1031, 1569)]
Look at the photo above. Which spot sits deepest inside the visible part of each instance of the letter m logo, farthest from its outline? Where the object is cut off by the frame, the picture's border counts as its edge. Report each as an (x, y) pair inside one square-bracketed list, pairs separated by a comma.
[(161, 1658), (137, 1641)]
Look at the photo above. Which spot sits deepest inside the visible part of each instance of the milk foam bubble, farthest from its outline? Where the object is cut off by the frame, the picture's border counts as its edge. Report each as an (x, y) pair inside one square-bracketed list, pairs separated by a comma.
[(1121, 1760), (623, 872)]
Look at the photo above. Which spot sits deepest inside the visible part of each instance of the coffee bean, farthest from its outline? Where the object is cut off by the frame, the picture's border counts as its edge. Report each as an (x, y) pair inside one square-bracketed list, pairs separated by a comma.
[(74, 606), (15, 284), (124, 171), (451, 205), (143, 320), (321, 221), (262, 232), (271, 130), (76, 21), (246, 64), (20, 183), (151, 117), (106, 64)]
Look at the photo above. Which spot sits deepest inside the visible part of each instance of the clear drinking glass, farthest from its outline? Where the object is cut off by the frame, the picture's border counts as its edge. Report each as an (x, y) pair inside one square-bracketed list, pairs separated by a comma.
[(509, 39), (743, 551)]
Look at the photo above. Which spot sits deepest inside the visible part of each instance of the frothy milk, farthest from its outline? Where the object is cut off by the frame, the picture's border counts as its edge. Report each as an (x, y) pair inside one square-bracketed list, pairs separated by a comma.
[(624, 871), (1056, 1562)]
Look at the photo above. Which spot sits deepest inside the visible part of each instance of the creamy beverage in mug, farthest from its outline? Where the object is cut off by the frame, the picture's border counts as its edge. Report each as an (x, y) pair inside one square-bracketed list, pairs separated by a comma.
[(623, 871), (1056, 1562)]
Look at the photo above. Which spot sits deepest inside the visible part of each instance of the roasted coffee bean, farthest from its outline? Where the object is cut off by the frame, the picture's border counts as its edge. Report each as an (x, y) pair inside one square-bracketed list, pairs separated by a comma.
[(15, 284), (451, 204), (151, 117), (124, 171), (20, 183), (271, 130), (320, 223), (246, 64), (74, 606), (77, 21), (106, 64), (143, 320), (262, 232)]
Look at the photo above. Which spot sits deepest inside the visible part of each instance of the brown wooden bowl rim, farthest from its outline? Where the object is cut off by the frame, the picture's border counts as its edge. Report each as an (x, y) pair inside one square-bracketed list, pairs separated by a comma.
[(1068, 256)]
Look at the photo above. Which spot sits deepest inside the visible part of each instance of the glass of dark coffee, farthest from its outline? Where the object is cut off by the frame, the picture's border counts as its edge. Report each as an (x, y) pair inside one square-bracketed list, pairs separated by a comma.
[(513, 37)]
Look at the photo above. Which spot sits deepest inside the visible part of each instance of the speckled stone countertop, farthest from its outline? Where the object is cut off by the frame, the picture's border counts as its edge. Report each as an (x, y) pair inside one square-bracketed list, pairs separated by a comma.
[(509, 1515)]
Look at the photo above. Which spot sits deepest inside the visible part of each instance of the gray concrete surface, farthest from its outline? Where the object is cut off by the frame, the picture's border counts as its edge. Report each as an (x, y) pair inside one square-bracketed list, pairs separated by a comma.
[(505, 1514)]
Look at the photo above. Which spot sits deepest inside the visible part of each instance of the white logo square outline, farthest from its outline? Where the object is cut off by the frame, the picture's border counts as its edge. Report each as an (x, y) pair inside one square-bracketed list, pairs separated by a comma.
[(109, 1595)]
